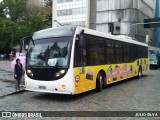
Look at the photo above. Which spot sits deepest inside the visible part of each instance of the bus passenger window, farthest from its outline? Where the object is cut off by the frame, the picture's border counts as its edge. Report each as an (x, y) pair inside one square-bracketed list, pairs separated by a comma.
[(126, 53), (80, 53), (80, 58), (110, 52), (118, 51), (96, 53)]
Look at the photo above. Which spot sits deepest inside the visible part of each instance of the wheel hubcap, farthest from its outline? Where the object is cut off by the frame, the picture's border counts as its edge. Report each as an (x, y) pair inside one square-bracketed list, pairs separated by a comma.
[(101, 81), (140, 73)]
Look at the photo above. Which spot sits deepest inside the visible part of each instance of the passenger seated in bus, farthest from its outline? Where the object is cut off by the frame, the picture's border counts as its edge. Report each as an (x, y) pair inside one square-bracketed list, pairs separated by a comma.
[(94, 57), (55, 50), (40, 59), (101, 59), (64, 52), (56, 54)]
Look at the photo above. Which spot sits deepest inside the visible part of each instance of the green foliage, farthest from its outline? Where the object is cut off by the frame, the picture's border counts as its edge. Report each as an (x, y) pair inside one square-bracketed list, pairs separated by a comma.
[(18, 24), (48, 2), (48, 18), (36, 23), (14, 8)]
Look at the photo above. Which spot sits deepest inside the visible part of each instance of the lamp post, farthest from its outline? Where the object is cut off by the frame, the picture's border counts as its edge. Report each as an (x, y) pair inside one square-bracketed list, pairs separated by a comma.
[(140, 24), (58, 22)]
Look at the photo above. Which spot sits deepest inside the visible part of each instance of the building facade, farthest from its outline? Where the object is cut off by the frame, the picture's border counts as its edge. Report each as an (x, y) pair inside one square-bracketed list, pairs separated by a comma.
[(118, 17), (109, 16), (73, 12)]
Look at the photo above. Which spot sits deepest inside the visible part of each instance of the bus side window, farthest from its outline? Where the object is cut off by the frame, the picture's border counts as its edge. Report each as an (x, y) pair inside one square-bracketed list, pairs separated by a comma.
[(118, 51), (133, 52), (82, 59), (110, 50), (126, 52), (96, 54), (80, 55)]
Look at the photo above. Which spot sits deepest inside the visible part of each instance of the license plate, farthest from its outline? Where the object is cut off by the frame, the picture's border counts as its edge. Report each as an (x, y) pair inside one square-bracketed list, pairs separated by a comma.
[(42, 87)]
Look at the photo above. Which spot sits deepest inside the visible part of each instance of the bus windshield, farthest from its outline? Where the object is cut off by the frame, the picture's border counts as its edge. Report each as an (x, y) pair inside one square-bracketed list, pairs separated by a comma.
[(49, 52)]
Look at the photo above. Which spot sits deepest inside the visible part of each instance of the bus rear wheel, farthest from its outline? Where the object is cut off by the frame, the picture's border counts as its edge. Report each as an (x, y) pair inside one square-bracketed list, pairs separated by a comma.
[(99, 82), (140, 72)]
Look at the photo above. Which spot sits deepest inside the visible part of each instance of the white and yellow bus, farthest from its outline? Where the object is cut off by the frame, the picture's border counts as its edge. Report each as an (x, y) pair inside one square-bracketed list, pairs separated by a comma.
[(73, 60)]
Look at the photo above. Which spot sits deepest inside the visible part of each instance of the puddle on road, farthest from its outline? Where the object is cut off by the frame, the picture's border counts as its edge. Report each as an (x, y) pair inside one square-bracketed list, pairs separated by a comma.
[(8, 81), (2, 70), (10, 74)]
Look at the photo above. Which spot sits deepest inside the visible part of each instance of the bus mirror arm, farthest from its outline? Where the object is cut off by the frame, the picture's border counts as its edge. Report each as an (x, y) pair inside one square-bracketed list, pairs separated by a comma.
[(80, 41), (24, 43)]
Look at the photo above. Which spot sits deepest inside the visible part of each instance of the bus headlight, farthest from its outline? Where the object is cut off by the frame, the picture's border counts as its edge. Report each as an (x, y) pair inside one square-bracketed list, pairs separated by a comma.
[(29, 72), (57, 74), (62, 71)]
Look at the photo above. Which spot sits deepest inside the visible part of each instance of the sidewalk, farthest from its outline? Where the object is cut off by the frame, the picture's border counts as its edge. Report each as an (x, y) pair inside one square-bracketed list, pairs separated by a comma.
[(7, 81)]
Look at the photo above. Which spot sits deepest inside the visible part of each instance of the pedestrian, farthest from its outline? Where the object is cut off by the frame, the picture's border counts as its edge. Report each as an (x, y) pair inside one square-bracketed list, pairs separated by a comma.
[(11, 55), (18, 73), (158, 61)]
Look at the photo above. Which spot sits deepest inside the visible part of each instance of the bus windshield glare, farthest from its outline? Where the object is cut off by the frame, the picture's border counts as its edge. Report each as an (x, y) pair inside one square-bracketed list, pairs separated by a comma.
[(51, 52)]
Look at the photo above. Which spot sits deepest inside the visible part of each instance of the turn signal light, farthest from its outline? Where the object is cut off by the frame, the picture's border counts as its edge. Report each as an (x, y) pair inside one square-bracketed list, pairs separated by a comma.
[(63, 87), (26, 84)]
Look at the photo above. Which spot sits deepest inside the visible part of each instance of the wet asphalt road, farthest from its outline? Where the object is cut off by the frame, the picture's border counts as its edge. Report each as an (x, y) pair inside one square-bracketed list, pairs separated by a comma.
[(130, 95)]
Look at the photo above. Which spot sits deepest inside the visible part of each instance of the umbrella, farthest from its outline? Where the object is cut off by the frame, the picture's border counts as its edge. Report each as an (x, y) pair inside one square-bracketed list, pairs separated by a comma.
[(23, 62)]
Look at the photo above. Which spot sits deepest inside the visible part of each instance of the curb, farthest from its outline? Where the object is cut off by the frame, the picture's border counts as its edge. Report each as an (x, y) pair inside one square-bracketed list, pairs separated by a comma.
[(12, 93)]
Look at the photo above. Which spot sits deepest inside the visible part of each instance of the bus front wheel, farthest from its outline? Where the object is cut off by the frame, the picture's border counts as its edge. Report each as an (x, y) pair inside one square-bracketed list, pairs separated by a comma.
[(99, 82)]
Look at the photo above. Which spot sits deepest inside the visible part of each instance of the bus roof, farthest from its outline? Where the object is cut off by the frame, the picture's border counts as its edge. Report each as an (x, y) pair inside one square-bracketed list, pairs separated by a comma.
[(69, 30), (113, 37), (55, 32)]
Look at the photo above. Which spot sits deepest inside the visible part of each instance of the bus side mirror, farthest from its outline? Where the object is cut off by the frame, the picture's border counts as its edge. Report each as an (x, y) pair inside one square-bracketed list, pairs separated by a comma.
[(24, 44)]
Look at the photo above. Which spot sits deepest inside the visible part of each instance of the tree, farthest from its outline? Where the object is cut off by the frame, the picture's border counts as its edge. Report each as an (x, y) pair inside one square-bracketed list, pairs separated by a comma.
[(7, 37), (15, 9), (1, 9), (35, 23), (44, 12), (18, 24), (48, 17)]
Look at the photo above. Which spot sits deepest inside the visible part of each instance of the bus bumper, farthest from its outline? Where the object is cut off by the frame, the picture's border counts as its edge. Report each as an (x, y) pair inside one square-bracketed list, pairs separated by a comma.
[(64, 85), (46, 91)]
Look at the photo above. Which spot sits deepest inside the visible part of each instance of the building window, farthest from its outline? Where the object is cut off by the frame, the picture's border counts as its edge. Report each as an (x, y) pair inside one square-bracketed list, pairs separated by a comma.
[(63, 1), (75, 11), (111, 28)]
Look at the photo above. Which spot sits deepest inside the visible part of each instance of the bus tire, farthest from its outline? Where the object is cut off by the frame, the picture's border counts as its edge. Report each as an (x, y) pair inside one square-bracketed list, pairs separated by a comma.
[(99, 82), (140, 72)]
